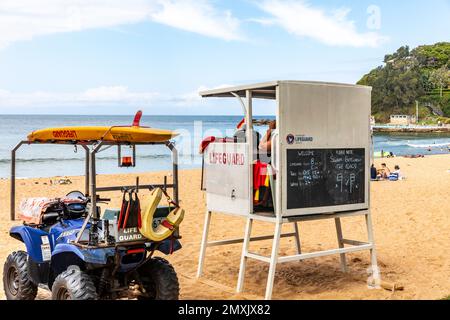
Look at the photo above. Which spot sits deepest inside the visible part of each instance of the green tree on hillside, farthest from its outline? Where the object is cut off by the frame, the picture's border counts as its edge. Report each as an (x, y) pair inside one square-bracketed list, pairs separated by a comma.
[(440, 78), (409, 75)]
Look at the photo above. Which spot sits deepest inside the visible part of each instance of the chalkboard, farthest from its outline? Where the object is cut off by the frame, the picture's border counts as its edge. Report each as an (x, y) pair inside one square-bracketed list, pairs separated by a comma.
[(325, 177)]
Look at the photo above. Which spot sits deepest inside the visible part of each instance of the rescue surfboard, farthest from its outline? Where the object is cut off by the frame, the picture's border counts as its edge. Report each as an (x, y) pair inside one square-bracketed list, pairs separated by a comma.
[(133, 133)]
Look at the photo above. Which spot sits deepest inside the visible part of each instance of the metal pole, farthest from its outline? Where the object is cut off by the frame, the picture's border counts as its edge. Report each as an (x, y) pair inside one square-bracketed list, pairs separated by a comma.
[(273, 260), (93, 181), (249, 120), (204, 244), (171, 146), (175, 175), (245, 248), (376, 277), (93, 192), (279, 156), (13, 181), (341, 244), (86, 170), (119, 155), (298, 244), (417, 112), (244, 109), (13, 185)]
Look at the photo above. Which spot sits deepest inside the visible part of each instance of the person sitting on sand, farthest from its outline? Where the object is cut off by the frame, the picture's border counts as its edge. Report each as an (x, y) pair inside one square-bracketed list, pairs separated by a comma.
[(398, 173), (384, 172)]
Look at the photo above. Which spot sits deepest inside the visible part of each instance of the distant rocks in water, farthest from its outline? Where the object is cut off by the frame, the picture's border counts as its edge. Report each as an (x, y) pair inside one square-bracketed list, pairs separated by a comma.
[(414, 129), (262, 122)]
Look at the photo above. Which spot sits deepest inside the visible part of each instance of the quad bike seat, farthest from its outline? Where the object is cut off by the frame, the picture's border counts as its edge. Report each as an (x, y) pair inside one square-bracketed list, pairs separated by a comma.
[(47, 210), (50, 218)]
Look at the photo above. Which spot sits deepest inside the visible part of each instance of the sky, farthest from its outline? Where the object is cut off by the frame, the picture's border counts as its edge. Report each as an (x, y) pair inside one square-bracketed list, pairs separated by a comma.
[(115, 57)]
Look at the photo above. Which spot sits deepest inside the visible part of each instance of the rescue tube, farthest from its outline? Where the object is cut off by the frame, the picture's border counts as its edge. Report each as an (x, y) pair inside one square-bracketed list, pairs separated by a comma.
[(150, 206), (167, 226)]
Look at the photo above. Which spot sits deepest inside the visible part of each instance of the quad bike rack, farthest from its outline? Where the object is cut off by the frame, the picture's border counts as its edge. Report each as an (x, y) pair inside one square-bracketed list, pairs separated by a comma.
[(91, 148), (69, 241)]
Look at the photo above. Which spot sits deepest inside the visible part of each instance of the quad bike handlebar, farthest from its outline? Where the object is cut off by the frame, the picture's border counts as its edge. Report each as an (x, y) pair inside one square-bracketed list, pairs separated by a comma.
[(99, 199)]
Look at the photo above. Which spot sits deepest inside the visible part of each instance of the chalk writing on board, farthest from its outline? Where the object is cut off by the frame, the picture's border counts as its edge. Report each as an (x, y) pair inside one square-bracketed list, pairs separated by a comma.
[(325, 177)]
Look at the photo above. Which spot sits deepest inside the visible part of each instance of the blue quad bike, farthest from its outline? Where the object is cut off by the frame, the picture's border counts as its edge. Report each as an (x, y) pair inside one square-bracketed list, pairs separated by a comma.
[(54, 261)]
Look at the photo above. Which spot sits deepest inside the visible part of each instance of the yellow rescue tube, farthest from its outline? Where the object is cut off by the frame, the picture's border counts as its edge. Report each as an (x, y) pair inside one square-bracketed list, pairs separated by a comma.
[(151, 204), (167, 227), (112, 134)]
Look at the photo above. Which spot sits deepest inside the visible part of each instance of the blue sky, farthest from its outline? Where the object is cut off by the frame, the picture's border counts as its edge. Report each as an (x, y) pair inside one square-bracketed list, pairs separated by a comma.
[(114, 57)]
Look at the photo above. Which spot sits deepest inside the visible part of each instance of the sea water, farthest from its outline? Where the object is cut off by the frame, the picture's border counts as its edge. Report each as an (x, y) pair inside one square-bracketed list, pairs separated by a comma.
[(64, 160)]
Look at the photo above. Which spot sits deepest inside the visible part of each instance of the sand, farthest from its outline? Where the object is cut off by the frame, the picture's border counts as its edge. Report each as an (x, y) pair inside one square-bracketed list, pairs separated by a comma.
[(411, 224)]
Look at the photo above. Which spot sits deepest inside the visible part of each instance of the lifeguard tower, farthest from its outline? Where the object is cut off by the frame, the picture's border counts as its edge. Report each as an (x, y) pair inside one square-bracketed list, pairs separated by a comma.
[(319, 169)]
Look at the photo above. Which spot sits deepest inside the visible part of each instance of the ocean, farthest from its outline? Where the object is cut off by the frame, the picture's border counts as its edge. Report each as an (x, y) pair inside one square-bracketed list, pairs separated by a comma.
[(62, 160)]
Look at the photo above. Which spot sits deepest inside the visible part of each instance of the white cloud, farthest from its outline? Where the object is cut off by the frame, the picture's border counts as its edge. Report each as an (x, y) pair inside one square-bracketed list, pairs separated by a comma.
[(332, 28), (198, 16), (25, 19), (111, 96), (193, 98)]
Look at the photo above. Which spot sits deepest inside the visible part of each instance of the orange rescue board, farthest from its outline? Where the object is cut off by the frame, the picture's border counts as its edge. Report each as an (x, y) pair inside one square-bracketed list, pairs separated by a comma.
[(113, 134)]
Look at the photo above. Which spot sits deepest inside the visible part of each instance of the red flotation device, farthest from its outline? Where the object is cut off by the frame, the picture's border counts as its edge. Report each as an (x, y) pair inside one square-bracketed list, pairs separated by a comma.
[(207, 141)]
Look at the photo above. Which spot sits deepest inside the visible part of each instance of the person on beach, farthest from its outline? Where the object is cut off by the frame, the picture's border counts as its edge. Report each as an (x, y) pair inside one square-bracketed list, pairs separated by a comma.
[(384, 172), (398, 172), (263, 194), (373, 173), (265, 146), (396, 175)]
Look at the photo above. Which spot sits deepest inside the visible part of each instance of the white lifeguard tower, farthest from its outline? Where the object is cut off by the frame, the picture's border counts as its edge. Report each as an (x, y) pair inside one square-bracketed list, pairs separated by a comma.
[(320, 159)]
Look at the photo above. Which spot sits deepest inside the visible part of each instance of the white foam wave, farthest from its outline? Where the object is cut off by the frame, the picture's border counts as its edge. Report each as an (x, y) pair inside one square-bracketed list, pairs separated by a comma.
[(430, 145)]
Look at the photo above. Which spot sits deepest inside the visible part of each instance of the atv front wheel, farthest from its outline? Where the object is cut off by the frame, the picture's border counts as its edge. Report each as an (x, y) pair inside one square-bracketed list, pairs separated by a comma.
[(160, 280), (16, 281), (73, 284)]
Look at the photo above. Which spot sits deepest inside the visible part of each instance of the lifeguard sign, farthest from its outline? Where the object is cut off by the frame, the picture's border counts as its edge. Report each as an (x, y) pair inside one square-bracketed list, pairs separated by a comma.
[(321, 153), (227, 178)]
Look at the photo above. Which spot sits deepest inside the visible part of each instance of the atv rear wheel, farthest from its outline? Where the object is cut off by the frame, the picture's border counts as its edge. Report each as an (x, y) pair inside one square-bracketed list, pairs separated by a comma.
[(159, 280), (16, 282), (73, 284)]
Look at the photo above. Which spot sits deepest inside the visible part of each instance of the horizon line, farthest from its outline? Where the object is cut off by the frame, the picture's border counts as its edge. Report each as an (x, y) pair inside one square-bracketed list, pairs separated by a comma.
[(123, 115)]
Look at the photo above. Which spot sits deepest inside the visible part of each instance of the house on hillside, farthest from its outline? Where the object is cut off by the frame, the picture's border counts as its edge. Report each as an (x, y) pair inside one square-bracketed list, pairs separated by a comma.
[(403, 120)]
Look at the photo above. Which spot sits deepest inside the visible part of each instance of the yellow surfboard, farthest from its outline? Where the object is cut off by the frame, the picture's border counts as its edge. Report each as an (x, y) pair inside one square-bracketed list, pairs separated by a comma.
[(112, 134)]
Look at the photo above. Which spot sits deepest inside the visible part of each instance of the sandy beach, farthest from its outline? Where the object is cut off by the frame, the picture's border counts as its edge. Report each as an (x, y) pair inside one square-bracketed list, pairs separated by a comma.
[(411, 224)]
